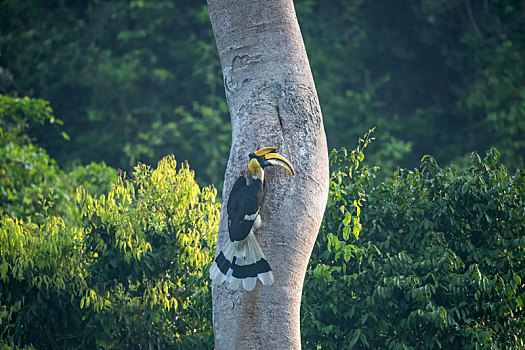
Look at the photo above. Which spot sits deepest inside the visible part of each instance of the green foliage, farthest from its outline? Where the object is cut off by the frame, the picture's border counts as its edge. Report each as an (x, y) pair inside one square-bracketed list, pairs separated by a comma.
[(89, 260), (142, 78), (138, 80), (129, 275), (432, 258), (41, 275), (10, 346), (435, 77), (120, 73), (31, 182), (212, 134), (439, 262), (149, 241), (17, 113)]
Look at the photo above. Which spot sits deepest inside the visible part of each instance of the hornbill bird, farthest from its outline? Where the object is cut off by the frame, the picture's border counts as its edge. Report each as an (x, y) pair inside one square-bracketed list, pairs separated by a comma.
[(242, 259)]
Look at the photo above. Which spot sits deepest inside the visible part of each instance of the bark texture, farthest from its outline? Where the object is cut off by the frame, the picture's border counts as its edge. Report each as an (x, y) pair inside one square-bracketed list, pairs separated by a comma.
[(273, 102)]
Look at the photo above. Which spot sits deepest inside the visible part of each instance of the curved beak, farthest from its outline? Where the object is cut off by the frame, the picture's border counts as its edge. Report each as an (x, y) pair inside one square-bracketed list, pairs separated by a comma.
[(277, 159), (265, 150), (271, 157)]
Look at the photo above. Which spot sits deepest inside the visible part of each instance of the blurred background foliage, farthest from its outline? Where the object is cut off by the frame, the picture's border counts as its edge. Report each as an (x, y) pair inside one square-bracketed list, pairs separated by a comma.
[(94, 257), (431, 258), (131, 80), (137, 80), (89, 259)]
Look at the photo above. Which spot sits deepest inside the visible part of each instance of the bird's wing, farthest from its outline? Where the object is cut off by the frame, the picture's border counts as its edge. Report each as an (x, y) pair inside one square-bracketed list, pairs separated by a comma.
[(244, 213), (235, 197)]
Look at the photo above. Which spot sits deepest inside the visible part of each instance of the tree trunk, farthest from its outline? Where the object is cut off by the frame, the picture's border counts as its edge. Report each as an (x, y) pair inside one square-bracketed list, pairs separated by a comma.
[(273, 102)]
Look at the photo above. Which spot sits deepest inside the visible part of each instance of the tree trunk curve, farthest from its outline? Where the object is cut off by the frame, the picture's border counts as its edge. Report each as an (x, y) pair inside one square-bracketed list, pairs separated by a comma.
[(273, 102)]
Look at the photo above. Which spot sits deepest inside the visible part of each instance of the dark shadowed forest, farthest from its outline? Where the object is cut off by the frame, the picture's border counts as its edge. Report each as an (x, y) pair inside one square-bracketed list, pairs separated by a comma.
[(114, 139), (135, 81)]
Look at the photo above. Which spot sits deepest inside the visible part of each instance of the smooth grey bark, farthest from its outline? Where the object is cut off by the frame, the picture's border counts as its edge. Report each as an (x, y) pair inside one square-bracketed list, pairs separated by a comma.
[(273, 102)]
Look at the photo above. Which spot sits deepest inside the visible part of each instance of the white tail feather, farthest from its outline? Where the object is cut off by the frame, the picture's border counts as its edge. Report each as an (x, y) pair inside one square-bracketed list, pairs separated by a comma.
[(215, 273), (249, 283), (246, 252), (230, 249), (250, 257), (266, 278), (252, 241), (234, 284)]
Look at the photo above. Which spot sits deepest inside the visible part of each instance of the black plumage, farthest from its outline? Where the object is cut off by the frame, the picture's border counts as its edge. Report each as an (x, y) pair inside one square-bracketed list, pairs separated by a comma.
[(243, 206), (242, 259)]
